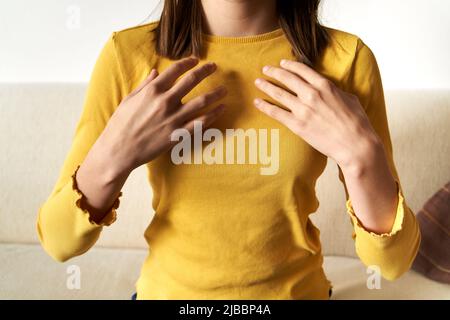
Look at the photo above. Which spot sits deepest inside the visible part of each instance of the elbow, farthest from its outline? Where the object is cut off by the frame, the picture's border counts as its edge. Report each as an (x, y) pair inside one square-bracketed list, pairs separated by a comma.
[(54, 248), (393, 274), (65, 231), (390, 271), (398, 265), (58, 253), (390, 265), (58, 256), (393, 256)]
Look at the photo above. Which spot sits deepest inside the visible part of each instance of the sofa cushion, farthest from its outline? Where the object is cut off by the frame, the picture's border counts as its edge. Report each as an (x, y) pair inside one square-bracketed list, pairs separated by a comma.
[(349, 278), (27, 272)]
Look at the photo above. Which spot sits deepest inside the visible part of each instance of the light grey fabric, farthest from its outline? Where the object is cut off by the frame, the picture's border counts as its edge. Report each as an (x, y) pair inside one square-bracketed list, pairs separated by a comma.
[(27, 272)]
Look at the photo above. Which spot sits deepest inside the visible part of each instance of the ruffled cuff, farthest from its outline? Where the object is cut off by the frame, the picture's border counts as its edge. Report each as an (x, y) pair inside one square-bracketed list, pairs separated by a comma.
[(109, 218), (398, 222)]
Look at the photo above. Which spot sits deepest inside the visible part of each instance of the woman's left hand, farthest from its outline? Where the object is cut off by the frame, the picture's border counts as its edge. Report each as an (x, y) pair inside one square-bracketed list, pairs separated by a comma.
[(329, 119)]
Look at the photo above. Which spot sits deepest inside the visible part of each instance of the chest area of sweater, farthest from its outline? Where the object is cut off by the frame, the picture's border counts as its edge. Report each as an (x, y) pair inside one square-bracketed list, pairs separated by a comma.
[(243, 142)]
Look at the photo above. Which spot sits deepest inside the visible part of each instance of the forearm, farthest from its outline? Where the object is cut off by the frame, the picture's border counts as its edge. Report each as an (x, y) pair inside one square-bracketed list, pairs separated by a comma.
[(372, 187), (100, 178)]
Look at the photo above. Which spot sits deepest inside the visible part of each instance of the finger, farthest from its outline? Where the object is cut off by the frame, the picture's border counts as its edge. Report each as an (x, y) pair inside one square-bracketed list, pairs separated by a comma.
[(277, 93), (281, 115), (168, 77), (289, 79), (306, 94), (188, 110), (190, 80), (304, 71), (152, 76), (206, 119)]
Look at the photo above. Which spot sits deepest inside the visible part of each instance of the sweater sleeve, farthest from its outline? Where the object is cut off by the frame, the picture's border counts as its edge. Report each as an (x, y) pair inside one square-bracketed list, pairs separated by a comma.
[(64, 227), (392, 252)]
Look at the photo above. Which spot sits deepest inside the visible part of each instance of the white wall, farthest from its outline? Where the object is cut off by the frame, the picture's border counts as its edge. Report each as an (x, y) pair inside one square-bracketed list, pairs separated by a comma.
[(59, 40), (409, 37)]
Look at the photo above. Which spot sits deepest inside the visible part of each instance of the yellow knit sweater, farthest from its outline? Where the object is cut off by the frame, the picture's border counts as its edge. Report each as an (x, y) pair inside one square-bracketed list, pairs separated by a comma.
[(227, 230)]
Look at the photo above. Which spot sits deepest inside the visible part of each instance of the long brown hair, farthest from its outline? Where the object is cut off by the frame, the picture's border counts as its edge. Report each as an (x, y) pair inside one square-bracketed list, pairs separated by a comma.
[(179, 32)]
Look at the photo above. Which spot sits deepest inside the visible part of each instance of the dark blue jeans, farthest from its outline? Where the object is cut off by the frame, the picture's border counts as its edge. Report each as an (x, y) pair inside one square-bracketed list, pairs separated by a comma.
[(133, 297)]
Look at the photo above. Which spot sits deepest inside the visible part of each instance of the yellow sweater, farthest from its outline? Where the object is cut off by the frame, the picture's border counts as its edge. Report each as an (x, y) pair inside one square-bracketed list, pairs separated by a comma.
[(227, 231)]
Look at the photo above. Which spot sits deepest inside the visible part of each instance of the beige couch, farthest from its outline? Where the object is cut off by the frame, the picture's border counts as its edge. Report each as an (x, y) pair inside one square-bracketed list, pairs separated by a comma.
[(37, 123)]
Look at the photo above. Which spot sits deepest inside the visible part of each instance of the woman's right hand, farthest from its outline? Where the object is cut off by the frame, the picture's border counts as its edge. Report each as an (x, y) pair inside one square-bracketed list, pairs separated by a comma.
[(140, 129)]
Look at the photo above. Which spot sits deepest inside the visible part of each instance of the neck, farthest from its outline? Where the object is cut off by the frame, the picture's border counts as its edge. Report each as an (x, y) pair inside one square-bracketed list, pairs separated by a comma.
[(237, 18)]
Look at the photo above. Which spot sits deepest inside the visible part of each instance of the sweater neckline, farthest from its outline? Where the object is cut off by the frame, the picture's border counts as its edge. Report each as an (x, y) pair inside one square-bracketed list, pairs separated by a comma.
[(274, 34)]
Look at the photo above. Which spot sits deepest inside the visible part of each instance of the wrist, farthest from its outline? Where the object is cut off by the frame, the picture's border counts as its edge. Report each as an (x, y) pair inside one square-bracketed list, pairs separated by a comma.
[(109, 161), (368, 153)]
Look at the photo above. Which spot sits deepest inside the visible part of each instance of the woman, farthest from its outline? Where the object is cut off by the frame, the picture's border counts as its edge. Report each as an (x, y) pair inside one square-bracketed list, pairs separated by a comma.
[(224, 228)]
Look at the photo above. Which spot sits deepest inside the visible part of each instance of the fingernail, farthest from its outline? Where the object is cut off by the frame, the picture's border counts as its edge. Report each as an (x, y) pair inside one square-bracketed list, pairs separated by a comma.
[(193, 59), (257, 101), (258, 81), (223, 89), (266, 68), (211, 65), (283, 62)]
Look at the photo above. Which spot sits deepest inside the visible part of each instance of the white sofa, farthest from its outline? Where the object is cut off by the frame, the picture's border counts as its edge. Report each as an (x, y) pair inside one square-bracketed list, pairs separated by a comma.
[(37, 122)]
